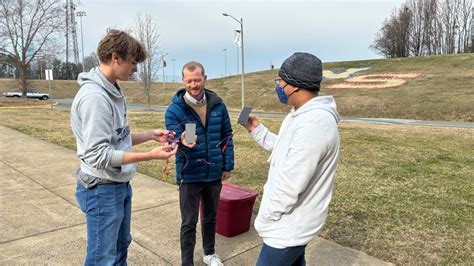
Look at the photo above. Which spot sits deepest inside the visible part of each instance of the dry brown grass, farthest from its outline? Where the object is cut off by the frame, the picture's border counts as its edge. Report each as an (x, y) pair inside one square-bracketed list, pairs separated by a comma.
[(403, 193), (7, 102), (443, 92)]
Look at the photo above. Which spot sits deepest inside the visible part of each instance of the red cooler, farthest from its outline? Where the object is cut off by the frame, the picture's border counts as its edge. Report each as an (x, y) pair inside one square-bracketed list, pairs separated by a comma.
[(235, 210)]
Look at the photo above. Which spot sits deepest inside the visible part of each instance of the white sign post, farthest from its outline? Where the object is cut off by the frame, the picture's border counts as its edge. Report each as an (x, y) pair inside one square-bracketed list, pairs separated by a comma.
[(49, 77)]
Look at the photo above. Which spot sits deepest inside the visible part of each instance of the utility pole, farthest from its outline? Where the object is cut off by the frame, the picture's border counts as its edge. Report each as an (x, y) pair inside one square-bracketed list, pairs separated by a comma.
[(81, 14), (174, 75), (225, 61), (241, 42), (164, 66)]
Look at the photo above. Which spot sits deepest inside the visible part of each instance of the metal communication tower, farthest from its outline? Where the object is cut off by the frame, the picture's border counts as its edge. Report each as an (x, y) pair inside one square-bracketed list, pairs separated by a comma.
[(71, 31)]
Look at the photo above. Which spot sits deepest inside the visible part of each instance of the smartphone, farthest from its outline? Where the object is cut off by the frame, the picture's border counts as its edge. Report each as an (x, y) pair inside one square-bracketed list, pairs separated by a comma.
[(190, 129), (244, 115)]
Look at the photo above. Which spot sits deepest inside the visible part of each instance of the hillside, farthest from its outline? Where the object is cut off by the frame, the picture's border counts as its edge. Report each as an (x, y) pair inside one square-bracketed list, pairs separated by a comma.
[(443, 89)]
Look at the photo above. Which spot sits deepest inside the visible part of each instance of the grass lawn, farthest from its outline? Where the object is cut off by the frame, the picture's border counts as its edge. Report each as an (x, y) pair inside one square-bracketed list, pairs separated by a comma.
[(403, 194)]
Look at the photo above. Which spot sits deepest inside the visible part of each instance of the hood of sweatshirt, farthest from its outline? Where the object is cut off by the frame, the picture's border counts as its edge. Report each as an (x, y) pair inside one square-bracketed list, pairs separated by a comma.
[(326, 103), (96, 77)]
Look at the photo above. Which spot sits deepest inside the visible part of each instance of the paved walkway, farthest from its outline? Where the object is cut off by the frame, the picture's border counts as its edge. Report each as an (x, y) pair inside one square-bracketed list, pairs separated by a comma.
[(41, 223)]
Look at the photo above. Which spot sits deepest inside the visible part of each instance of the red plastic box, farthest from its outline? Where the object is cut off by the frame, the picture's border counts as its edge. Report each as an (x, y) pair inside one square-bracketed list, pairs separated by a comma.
[(234, 211)]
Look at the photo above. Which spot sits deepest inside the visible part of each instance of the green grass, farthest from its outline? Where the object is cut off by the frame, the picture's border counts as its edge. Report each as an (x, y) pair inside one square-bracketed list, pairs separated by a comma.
[(403, 194), (444, 91)]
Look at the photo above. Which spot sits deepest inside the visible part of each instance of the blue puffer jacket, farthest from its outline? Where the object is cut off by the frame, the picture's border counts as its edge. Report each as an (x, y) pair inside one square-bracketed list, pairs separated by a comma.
[(206, 161)]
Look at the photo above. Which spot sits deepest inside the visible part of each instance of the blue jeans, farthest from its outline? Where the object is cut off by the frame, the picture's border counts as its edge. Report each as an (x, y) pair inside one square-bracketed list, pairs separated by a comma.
[(108, 211), (281, 256)]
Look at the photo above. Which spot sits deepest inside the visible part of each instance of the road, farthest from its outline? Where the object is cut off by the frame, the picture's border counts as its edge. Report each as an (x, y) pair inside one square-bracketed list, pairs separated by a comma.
[(66, 104)]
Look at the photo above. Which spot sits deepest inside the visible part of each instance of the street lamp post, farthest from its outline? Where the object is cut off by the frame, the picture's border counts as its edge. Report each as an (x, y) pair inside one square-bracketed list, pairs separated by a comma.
[(164, 66), (81, 14), (40, 56), (174, 74), (237, 52), (225, 61), (241, 22)]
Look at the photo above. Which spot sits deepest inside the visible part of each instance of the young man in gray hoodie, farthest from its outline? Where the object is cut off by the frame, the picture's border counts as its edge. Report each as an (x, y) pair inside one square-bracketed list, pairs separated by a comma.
[(303, 161), (104, 146)]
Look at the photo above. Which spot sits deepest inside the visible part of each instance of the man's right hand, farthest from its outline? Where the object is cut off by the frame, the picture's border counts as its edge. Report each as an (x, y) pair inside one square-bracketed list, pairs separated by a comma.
[(163, 152), (252, 123)]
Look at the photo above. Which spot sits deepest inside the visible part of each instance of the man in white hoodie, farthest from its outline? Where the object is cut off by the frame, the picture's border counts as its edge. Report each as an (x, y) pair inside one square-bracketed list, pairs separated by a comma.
[(303, 161), (104, 146)]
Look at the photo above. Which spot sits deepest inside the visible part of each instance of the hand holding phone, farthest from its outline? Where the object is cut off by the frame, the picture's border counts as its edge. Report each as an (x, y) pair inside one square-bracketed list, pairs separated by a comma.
[(190, 129), (244, 115)]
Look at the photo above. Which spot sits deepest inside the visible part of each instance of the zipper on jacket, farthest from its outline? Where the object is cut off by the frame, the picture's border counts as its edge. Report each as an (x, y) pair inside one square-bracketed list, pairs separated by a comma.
[(209, 107)]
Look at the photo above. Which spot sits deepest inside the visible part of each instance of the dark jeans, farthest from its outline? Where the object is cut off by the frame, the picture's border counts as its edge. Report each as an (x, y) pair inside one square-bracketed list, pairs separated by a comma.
[(189, 196), (281, 256)]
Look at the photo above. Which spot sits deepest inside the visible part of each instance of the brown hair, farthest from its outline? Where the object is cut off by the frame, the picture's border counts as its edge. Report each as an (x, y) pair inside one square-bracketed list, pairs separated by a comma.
[(120, 42), (191, 66)]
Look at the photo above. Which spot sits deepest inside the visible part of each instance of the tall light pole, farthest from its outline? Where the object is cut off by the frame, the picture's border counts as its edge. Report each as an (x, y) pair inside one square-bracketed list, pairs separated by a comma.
[(225, 61), (241, 22), (237, 52), (81, 14), (40, 56), (164, 66), (174, 75)]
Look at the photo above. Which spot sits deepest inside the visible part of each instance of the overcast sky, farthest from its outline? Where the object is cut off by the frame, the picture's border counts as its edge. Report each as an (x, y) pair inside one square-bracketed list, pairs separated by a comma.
[(273, 30)]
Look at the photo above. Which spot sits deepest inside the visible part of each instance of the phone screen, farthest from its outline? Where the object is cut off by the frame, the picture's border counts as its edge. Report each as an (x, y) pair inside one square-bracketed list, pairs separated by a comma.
[(244, 115), (190, 129)]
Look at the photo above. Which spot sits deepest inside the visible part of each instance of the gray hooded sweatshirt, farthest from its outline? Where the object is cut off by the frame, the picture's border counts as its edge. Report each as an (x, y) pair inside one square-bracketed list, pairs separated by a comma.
[(99, 122)]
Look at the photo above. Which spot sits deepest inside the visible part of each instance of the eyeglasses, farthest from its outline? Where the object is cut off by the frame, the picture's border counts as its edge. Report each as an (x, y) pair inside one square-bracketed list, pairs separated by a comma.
[(277, 82)]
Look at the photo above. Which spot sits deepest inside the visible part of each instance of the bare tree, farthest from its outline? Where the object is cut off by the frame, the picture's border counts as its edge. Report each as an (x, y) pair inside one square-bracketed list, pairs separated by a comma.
[(465, 21), (91, 61), (146, 32), (435, 27), (417, 28), (448, 17), (26, 27), (431, 30), (393, 38)]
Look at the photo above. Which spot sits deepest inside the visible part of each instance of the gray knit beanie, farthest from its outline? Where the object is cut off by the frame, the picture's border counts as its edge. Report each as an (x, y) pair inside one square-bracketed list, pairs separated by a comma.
[(302, 70)]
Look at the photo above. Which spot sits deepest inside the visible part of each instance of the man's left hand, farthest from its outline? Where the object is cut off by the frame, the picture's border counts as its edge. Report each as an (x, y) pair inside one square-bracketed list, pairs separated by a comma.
[(225, 175)]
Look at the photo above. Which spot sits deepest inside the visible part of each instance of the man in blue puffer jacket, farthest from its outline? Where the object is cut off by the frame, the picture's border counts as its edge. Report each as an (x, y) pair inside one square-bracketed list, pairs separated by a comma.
[(200, 168)]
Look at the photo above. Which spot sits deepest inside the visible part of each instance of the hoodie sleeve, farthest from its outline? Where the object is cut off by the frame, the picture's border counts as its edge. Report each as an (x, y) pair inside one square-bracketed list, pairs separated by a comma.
[(264, 137), (95, 117), (300, 166)]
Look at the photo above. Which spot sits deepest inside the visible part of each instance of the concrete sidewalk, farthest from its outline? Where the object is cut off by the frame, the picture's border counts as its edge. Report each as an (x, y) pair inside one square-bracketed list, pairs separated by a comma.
[(41, 223)]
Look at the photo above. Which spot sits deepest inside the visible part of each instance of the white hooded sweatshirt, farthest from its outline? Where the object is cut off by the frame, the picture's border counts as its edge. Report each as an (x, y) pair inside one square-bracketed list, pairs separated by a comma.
[(303, 161)]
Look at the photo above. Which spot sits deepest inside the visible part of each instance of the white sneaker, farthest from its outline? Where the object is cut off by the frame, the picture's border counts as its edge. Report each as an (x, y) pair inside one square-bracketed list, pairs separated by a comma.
[(212, 260)]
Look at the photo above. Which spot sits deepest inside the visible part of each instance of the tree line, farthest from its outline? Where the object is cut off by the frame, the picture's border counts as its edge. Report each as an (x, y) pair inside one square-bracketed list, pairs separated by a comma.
[(36, 69), (31, 38), (427, 27)]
